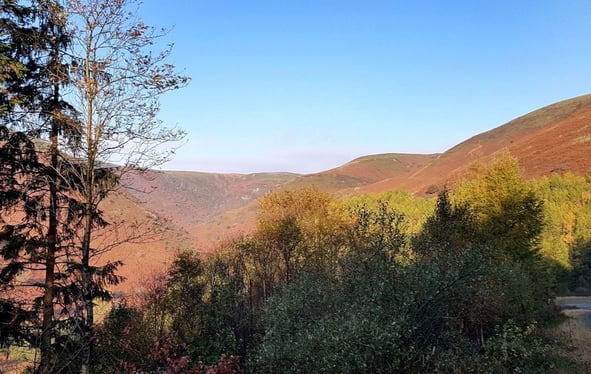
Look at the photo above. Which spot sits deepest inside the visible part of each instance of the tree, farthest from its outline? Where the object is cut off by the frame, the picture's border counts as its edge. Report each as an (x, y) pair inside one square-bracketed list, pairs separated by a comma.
[(61, 118), (450, 228), (18, 44), (116, 81), (301, 229), (16, 31), (506, 208), (33, 74), (437, 309), (29, 249)]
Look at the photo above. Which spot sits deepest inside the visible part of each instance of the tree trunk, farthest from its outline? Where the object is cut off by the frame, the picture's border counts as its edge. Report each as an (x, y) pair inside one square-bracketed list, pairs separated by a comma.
[(48, 293), (87, 292)]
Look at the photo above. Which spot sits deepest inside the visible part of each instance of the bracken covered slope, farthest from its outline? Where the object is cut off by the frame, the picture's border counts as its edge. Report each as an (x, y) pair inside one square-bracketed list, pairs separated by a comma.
[(556, 138)]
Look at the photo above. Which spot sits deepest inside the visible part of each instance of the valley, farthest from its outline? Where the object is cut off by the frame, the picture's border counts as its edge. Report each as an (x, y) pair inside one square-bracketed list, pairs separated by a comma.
[(209, 208)]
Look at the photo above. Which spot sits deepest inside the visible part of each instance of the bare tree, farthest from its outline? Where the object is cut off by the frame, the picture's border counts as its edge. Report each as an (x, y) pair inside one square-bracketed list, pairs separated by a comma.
[(116, 84)]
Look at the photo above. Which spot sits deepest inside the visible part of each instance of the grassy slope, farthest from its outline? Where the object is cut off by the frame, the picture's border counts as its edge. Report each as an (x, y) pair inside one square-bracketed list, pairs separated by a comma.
[(364, 171), (194, 201)]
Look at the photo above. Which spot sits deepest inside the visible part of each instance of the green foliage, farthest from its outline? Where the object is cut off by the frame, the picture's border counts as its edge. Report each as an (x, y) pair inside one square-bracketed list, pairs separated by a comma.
[(300, 230), (188, 319), (550, 217), (386, 310), (517, 349), (465, 292), (580, 259), (567, 220), (450, 228), (20, 42), (328, 323), (184, 293)]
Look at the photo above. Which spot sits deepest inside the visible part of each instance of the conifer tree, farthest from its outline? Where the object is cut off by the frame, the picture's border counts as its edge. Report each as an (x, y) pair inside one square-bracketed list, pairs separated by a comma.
[(33, 189)]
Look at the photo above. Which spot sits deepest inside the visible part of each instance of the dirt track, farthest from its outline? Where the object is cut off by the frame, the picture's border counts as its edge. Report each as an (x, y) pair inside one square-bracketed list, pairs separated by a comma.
[(577, 328)]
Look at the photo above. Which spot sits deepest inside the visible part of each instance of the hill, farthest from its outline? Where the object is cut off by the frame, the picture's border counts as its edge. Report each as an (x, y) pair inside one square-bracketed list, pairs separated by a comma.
[(556, 138)]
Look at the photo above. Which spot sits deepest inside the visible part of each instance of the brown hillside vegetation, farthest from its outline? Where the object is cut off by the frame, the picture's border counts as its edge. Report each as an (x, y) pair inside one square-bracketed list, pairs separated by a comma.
[(211, 207), (556, 138), (364, 171), (153, 245), (190, 199)]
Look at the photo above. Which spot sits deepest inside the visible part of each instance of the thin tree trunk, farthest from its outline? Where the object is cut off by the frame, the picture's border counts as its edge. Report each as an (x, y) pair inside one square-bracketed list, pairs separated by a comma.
[(87, 292), (88, 180), (51, 250), (48, 294)]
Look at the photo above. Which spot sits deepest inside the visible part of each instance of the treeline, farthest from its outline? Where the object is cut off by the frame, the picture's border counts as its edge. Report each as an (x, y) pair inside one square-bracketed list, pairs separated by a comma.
[(387, 283)]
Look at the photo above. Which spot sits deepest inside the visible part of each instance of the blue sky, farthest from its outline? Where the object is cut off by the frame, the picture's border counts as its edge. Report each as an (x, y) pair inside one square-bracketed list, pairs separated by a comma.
[(307, 85)]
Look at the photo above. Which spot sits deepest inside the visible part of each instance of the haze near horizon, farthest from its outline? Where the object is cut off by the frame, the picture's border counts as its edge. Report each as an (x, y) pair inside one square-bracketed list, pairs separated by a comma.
[(305, 86)]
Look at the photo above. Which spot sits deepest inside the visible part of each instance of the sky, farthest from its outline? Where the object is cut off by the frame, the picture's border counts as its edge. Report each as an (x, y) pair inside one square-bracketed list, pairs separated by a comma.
[(307, 85)]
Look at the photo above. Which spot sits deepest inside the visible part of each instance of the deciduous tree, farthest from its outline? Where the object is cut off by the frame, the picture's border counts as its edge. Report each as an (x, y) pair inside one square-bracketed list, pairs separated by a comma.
[(116, 82)]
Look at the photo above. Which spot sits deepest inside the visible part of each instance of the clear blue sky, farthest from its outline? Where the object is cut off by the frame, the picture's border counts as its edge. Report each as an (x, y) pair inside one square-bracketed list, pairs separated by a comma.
[(307, 85)]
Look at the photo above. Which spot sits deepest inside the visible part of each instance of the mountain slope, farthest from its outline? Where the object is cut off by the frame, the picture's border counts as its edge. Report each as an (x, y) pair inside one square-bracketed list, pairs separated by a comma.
[(212, 206), (364, 171), (554, 138), (188, 199)]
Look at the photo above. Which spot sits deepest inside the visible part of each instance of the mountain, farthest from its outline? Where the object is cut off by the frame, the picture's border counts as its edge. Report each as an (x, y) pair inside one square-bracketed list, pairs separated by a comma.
[(203, 208), (556, 138), (364, 171)]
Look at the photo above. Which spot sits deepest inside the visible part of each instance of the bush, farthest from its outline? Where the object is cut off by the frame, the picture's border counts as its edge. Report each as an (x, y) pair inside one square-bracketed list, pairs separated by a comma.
[(432, 189)]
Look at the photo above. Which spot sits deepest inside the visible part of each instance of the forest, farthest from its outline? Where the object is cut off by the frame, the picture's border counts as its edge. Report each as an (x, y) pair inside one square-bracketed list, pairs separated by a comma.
[(462, 280)]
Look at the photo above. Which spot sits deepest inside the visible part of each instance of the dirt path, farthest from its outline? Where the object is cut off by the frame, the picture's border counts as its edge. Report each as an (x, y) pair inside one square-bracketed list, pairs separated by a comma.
[(577, 328)]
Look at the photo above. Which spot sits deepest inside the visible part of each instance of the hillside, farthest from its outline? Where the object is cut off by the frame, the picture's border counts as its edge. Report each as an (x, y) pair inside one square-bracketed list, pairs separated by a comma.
[(210, 207), (154, 243), (189, 199), (556, 138), (364, 171)]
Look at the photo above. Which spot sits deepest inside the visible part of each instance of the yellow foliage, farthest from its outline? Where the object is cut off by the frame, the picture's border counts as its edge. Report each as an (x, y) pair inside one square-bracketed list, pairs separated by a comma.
[(487, 185)]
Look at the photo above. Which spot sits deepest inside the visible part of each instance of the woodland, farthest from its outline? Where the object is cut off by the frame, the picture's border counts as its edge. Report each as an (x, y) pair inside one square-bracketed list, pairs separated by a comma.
[(461, 281)]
